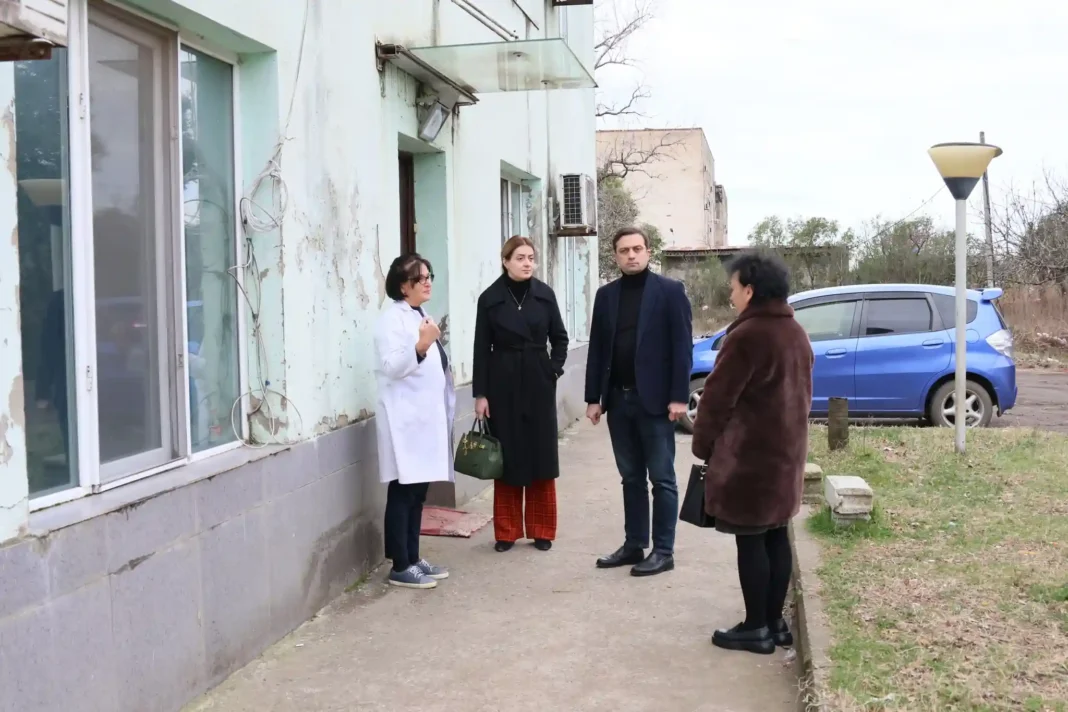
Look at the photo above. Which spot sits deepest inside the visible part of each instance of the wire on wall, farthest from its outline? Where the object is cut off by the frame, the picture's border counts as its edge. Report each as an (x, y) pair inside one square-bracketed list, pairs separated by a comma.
[(258, 219)]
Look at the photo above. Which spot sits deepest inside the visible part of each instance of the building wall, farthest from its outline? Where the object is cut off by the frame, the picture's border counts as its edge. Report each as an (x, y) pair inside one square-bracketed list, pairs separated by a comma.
[(142, 595), (675, 187)]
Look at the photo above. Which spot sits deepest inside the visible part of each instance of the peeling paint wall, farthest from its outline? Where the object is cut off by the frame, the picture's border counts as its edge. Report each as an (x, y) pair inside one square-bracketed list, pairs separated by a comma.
[(340, 165), (308, 81), (13, 483)]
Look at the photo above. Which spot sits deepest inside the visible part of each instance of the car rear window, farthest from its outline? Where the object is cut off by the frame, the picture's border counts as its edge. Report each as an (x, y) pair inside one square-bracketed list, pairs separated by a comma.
[(947, 309)]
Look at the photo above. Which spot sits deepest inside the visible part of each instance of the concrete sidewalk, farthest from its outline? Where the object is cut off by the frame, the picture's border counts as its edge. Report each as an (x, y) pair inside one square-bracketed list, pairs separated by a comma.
[(530, 630)]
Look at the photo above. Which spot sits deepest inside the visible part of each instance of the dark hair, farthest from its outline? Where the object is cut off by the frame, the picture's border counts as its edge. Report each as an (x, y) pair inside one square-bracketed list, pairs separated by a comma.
[(512, 244), (404, 269), (765, 273), (626, 231)]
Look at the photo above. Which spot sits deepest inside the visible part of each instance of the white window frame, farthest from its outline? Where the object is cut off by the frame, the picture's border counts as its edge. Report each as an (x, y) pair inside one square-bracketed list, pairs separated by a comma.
[(509, 206), (85, 446)]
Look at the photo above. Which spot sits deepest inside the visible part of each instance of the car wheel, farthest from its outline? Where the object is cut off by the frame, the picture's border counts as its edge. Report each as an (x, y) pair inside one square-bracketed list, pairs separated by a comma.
[(979, 406), (697, 387)]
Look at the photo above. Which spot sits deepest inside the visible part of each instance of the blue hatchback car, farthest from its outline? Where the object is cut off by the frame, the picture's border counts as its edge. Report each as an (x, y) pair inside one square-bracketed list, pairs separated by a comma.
[(889, 349)]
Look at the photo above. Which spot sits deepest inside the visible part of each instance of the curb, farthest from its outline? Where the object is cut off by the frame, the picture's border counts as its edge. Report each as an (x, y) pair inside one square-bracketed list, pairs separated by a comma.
[(813, 630)]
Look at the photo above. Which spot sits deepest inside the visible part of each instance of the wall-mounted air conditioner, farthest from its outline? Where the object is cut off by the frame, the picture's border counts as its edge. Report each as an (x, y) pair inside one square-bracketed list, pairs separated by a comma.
[(578, 202), (29, 29)]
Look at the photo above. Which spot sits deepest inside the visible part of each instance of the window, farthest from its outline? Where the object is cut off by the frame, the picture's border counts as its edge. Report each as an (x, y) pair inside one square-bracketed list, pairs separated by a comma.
[(130, 311), (561, 12), (897, 316), (824, 322), (515, 209), (947, 309)]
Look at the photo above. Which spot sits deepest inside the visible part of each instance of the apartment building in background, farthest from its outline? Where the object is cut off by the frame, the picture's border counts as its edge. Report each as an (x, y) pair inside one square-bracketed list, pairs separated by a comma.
[(675, 188), (202, 200)]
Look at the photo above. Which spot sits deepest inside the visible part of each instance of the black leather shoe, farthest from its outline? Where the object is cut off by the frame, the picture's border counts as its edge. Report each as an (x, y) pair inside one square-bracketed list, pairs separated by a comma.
[(504, 545), (655, 563), (751, 641), (623, 556), (542, 544), (780, 633)]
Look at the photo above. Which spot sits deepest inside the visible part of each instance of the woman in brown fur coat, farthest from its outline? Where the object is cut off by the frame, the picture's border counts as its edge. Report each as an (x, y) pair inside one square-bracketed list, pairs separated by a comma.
[(752, 429)]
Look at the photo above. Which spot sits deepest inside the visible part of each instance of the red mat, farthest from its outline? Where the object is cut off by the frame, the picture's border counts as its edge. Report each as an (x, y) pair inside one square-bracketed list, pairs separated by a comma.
[(442, 521)]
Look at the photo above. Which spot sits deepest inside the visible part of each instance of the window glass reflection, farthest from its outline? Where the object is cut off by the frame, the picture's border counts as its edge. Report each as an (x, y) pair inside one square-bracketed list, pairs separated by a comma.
[(210, 244), (44, 271)]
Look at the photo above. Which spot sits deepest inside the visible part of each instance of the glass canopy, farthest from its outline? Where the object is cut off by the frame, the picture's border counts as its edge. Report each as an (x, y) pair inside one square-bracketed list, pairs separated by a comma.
[(525, 65)]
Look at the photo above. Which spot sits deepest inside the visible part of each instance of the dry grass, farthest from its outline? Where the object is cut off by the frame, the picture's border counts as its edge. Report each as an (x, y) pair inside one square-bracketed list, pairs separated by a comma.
[(707, 319), (956, 595), (1039, 321)]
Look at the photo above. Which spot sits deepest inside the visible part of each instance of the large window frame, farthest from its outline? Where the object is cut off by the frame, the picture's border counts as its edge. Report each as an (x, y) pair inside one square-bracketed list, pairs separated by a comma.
[(174, 358)]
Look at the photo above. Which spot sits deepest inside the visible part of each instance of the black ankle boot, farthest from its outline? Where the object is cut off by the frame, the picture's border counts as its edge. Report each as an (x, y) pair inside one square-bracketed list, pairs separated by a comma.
[(542, 544), (504, 545)]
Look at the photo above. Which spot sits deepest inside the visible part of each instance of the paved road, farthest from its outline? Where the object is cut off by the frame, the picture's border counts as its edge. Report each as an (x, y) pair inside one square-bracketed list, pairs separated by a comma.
[(530, 630), (1042, 402)]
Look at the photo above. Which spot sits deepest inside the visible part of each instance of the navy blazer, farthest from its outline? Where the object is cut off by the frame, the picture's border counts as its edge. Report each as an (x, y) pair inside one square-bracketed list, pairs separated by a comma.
[(664, 350)]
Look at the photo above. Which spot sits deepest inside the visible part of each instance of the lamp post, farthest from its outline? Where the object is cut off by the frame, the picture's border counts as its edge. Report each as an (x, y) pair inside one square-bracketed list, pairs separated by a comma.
[(961, 165)]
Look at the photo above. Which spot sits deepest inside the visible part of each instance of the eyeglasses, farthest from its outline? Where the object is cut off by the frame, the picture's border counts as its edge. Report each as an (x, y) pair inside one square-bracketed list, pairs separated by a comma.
[(422, 279)]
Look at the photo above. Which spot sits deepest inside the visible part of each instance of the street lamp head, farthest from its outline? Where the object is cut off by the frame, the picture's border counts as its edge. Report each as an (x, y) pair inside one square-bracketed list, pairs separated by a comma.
[(961, 165)]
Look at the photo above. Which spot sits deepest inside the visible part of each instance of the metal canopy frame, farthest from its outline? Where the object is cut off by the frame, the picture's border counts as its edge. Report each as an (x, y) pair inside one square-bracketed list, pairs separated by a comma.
[(450, 92)]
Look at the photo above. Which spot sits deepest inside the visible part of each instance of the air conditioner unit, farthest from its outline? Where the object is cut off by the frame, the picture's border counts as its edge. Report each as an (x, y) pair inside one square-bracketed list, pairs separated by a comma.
[(578, 202), (29, 29)]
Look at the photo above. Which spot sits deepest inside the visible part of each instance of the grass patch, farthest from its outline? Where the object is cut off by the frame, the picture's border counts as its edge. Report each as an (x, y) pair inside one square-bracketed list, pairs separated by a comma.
[(358, 583), (955, 595)]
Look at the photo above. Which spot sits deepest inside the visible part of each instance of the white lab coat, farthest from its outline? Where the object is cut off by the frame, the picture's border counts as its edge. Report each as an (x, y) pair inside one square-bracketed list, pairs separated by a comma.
[(416, 403)]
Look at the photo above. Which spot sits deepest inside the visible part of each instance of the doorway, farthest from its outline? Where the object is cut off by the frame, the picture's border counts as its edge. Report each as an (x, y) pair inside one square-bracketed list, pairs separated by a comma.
[(406, 165)]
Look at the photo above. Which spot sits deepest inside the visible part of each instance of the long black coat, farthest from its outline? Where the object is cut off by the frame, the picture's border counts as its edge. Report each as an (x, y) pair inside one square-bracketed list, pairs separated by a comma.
[(515, 372)]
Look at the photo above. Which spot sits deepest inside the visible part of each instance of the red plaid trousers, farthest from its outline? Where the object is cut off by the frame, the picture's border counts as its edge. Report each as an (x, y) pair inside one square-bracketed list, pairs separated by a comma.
[(540, 514)]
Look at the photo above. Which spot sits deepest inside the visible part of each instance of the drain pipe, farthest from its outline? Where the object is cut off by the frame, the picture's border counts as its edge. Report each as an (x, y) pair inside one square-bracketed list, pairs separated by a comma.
[(499, 29)]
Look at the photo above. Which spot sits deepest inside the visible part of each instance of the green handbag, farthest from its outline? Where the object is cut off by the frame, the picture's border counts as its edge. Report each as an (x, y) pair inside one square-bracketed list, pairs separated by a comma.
[(479, 454)]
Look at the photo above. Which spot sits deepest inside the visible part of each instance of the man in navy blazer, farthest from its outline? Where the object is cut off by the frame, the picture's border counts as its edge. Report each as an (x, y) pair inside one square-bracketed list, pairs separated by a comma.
[(638, 375)]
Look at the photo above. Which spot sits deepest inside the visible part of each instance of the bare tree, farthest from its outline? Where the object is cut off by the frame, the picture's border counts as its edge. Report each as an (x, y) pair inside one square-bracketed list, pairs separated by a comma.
[(615, 28), (618, 21), (634, 152), (1031, 234)]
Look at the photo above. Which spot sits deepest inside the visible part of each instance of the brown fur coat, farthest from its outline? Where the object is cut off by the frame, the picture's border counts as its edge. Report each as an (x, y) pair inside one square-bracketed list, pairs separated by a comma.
[(752, 421)]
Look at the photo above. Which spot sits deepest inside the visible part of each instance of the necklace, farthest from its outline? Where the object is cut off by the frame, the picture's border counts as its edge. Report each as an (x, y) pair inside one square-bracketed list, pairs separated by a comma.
[(519, 302)]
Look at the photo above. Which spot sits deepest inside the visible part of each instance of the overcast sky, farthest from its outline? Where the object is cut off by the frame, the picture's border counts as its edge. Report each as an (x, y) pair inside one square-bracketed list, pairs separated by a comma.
[(827, 107)]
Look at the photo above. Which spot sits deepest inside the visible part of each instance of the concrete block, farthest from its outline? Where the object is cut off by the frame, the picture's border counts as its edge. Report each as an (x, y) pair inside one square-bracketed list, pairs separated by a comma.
[(289, 470), (159, 650), (847, 495), (77, 555), (140, 529), (236, 593), (83, 654), (23, 576), (27, 675), (228, 494), (813, 492), (346, 446)]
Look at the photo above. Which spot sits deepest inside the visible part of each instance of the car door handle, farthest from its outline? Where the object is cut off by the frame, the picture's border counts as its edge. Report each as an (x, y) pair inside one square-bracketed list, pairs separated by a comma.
[(932, 343), (834, 353)]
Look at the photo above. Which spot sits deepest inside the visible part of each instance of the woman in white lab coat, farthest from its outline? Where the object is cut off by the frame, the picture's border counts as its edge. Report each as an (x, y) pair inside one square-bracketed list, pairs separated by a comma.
[(413, 420)]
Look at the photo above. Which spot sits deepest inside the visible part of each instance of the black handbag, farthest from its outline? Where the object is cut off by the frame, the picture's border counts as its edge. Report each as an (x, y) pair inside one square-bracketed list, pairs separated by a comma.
[(693, 503)]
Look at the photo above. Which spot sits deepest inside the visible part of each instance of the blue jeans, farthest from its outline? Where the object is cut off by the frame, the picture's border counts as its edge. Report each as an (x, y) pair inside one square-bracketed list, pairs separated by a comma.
[(644, 448)]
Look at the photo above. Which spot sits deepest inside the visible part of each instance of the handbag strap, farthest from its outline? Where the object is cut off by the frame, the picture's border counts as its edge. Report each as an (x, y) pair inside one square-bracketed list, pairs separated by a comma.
[(479, 426)]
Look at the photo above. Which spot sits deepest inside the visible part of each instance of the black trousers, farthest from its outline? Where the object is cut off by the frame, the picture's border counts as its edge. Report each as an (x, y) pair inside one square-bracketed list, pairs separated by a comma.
[(764, 567), (404, 518)]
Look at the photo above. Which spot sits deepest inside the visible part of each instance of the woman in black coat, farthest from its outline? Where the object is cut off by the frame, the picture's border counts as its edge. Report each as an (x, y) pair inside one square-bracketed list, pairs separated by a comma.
[(517, 323)]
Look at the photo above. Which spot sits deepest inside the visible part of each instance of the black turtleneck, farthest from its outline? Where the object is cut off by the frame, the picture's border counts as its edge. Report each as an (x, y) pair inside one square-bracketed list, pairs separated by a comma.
[(625, 345), (518, 289)]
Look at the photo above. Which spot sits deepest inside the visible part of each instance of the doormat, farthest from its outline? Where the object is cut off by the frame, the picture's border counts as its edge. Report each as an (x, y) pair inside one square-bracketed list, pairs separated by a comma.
[(442, 521)]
